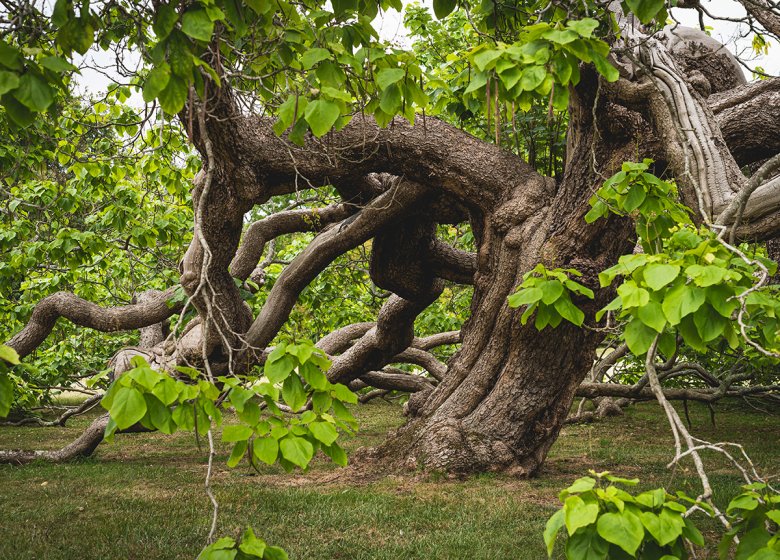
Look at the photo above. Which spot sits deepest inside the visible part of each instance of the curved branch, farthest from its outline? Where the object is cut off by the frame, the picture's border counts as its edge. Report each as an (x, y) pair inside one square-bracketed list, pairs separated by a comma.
[(393, 333), (423, 359), (393, 380), (593, 390), (439, 339), (281, 223), (87, 314), (453, 264), (322, 251)]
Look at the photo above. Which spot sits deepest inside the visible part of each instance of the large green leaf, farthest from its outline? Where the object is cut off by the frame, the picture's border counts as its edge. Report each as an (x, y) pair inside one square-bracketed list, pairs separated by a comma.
[(278, 369), (586, 544), (266, 449), (578, 513), (623, 529), (6, 394), (665, 527), (324, 432), (639, 337), (128, 407), (551, 529), (293, 392), (645, 10), (443, 8), (156, 81), (658, 275), (9, 354), (313, 56), (297, 450), (652, 315), (533, 76), (237, 432), (8, 81), (174, 95), (388, 76), (34, 93), (682, 300), (569, 311), (197, 24), (321, 115)]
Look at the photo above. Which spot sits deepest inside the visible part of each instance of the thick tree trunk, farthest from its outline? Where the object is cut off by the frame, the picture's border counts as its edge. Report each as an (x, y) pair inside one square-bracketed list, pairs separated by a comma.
[(509, 390)]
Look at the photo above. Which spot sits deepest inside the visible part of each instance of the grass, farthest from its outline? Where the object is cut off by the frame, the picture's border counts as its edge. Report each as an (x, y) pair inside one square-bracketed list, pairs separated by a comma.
[(142, 497)]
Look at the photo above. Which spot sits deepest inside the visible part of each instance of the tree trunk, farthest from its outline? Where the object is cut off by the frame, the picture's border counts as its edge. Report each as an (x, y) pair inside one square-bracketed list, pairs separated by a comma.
[(509, 390)]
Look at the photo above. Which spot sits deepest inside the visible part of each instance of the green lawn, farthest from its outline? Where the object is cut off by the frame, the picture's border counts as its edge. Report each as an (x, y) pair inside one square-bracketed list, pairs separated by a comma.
[(142, 497)]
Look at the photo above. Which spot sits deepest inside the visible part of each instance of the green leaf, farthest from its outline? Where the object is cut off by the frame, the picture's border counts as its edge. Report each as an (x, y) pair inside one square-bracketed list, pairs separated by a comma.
[(569, 311), (551, 291), (128, 407), (9, 56), (293, 393), (314, 376), (277, 370), (709, 323), (692, 533), (156, 81), (645, 10), (275, 553), (586, 545), (605, 68), (744, 502), (173, 96), (581, 485), (343, 393), (6, 393), (9, 354), (632, 295), (578, 513), (238, 452), (485, 59), (251, 545), (634, 198), (313, 56), (197, 24), (336, 454), (659, 275), (237, 433), (584, 27), (321, 114), (623, 529), (680, 301), (390, 101), (639, 337), (652, 315), (443, 8), (297, 450), (266, 449), (665, 527), (533, 76), (57, 64), (387, 76), (164, 21), (551, 529), (524, 296), (324, 432), (34, 93)]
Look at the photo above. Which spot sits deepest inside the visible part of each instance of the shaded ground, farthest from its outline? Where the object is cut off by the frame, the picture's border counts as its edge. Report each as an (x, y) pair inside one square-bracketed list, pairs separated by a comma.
[(142, 496)]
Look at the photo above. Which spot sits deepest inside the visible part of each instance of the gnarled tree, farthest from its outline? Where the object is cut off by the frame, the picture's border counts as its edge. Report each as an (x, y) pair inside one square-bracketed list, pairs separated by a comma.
[(672, 94)]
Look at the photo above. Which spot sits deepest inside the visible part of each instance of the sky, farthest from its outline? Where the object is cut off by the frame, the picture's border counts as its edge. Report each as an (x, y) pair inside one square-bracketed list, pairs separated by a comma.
[(390, 26)]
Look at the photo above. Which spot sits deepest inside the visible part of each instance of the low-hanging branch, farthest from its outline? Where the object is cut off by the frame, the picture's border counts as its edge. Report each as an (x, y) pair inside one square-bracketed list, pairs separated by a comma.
[(87, 314)]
